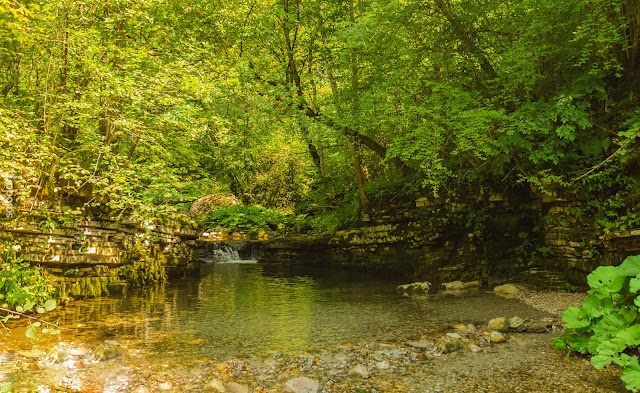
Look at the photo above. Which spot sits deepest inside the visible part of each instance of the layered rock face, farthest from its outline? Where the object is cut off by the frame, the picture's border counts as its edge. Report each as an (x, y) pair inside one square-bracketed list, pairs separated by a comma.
[(549, 243), (96, 257)]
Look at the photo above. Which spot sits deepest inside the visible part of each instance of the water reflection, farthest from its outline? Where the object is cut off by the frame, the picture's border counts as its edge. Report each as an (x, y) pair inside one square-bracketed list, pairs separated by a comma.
[(241, 309), (251, 311)]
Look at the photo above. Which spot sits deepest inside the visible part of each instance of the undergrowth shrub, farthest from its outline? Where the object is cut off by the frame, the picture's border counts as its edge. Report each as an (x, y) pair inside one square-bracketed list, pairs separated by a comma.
[(245, 218), (607, 326)]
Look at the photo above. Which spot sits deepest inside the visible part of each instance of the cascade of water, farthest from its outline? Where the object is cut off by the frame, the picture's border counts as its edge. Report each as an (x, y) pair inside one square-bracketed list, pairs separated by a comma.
[(227, 253)]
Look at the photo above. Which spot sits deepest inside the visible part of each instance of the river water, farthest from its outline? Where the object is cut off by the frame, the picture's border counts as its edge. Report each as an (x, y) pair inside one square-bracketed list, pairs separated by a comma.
[(261, 325)]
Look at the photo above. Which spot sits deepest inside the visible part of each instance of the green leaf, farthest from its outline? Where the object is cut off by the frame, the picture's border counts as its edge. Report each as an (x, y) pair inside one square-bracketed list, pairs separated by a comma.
[(28, 305), (595, 307), (630, 267), (606, 279), (601, 361), (630, 335), (40, 310), (50, 305), (559, 343), (634, 284), (631, 379), (31, 332), (574, 318)]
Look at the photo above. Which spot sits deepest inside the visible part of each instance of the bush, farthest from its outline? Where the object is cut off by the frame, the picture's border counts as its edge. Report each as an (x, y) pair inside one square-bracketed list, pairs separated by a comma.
[(245, 218), (607, 326)]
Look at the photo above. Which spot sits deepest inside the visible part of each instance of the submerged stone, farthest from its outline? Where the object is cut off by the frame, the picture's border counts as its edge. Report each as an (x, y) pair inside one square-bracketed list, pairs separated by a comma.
[(497, 337), (302, 385), (536, 327), (517, 324), (360, 370), (233, 387), (500, 324), (214, 385), (507, 290), (416, 287)]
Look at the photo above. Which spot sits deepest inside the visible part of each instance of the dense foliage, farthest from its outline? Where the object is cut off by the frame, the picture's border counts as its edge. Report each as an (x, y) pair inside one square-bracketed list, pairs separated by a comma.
[(607, 326), (134, 107), (24, 291)]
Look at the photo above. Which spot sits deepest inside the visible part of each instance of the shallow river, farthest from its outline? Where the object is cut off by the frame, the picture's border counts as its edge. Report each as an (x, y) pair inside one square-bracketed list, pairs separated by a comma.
[(260, 326)]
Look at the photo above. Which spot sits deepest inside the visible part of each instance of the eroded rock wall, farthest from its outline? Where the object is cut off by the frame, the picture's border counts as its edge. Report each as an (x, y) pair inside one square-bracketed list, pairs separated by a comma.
[(547, 243), (97, 257)]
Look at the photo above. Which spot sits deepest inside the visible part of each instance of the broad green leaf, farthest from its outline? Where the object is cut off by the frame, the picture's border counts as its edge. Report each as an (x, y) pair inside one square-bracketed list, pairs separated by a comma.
[(630, 335), (595, 307), (634, 284), (606, 279), (630, 267), (601, 361), (19, 308), (574, 318), (631, 379), (31, 332), (50, 305)]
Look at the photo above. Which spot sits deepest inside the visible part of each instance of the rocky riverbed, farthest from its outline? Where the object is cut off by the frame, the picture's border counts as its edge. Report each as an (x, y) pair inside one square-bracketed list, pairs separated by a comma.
[(243, 329), (504, 355)]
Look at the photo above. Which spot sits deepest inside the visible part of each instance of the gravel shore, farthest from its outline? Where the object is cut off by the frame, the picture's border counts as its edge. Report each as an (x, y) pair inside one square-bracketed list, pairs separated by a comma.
[(553, 302)]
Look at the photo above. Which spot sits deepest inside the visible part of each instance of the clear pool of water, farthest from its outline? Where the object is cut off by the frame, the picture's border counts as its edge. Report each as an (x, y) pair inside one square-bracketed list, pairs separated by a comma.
[(243, 311)]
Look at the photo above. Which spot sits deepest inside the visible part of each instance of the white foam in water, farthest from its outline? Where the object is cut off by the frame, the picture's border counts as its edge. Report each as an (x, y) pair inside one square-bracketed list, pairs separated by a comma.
[(227, 253)]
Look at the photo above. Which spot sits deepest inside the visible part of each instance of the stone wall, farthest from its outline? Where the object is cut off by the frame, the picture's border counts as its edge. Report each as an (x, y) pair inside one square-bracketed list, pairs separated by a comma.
[(97, 257), (437, 242), (544, 243), (576, 245)]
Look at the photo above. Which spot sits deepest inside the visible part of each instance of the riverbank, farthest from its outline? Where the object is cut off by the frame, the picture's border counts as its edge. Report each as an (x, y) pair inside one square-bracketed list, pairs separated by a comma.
[(252, 328), (553, 302)]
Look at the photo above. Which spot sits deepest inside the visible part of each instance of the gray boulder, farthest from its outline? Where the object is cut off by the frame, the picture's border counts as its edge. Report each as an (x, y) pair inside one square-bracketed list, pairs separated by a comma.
[(416, 287), (302, 385)]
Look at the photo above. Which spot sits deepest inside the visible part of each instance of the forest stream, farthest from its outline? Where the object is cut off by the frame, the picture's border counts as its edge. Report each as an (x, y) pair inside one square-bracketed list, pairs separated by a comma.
[(248, 327)]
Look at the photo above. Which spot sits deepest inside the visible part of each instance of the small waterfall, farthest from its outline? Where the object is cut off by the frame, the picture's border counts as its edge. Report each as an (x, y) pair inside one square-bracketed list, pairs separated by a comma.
[(226, 253)]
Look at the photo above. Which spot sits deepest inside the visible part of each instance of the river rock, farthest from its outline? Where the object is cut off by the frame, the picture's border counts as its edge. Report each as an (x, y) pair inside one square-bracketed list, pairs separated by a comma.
[(214, 385), (536, 327), (472, 284), (360, 371), (107, 350), (420, 344), (383, 365), (449, 345), (500, 324), (232, 387), (497, 337), (453, 286), (474, 348), (465, 330), (458, 286), (507, 290), (416, 287), (517, 324), (393, 353), (302, 385)]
